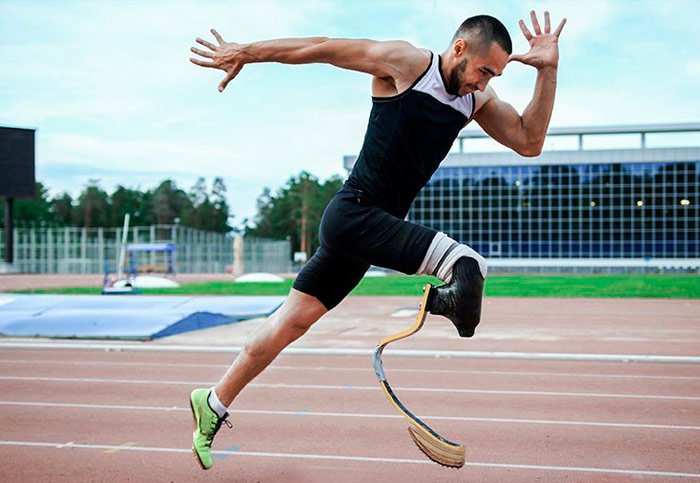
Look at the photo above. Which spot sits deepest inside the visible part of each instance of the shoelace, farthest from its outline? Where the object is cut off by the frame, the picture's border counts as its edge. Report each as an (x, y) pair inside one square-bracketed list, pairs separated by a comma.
[(218, 423)]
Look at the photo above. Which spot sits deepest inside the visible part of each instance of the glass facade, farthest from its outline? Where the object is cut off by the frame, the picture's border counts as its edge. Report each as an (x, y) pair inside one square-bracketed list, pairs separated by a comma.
[(615, 210)]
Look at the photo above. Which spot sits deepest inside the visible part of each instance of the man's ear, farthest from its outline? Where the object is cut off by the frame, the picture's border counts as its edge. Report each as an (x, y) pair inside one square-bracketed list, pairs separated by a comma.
[(459, 48)]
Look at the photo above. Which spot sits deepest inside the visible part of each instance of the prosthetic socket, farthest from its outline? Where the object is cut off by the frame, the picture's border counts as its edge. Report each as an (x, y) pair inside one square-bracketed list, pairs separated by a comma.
[(460, 300), (464, 271)]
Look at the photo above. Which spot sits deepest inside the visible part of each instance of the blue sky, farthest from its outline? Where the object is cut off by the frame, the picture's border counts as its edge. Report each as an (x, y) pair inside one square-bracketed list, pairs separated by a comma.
[(113, 96)]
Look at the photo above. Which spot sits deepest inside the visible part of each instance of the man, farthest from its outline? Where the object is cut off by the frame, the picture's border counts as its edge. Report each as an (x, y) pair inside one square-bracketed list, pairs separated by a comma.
[(421, 101)]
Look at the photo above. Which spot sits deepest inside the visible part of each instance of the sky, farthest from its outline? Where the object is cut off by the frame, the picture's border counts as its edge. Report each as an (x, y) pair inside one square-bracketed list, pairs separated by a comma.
[(110, 90)]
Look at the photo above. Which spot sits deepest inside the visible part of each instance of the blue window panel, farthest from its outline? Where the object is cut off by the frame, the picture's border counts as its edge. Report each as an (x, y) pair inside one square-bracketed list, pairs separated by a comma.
[(569, 210)]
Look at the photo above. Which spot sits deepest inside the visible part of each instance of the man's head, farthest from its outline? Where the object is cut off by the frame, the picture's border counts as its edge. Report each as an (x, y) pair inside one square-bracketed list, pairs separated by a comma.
[(479, 51)]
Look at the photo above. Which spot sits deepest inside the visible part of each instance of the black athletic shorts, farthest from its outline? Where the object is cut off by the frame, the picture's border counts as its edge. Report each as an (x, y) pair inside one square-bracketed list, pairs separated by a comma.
[(355, 234)]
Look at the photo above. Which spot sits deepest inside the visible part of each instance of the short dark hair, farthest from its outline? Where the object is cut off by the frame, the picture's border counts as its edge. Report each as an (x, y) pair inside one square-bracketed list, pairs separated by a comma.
[(487, 29)]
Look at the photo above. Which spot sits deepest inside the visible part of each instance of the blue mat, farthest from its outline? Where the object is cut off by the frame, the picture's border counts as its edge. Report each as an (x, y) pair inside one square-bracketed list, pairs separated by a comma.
[(132, 317)]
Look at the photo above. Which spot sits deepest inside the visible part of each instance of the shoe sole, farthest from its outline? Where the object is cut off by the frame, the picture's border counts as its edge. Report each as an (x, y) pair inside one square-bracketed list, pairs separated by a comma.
[(194, 428)]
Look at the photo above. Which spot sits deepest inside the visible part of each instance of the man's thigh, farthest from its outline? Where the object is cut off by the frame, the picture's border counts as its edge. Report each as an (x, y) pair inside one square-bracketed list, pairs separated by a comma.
[(330, 276), (359, 230), (391, 242)]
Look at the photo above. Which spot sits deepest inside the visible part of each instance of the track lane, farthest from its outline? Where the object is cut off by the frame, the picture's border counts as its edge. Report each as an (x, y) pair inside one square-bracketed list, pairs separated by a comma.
[(524, 419), (666, 451), (302, 429)]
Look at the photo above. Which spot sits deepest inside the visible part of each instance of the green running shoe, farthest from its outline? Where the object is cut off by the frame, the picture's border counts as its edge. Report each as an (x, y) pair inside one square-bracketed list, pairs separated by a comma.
[(206, 425)]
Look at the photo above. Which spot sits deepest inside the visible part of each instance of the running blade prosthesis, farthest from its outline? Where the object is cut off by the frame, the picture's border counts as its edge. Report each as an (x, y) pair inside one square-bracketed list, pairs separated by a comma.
[(432, 444)]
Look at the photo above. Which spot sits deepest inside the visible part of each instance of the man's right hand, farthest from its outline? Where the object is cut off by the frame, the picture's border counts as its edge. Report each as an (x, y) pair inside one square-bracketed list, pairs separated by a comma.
[(227, 56)]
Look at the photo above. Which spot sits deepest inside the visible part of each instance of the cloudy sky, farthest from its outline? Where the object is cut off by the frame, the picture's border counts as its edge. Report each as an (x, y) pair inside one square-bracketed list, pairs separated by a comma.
[(108, 86)]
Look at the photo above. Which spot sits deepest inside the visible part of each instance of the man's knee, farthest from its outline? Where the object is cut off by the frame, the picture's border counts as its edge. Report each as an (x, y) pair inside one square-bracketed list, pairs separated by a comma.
[(275, 334), (290, 321), (298, 313), (442, 255), (290, 329)]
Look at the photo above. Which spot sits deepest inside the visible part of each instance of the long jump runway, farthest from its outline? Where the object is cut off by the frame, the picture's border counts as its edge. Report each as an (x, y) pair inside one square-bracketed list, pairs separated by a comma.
[(93, 413)]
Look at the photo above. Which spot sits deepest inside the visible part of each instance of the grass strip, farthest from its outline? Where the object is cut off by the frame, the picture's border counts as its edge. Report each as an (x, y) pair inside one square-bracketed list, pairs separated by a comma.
[(623, 285)]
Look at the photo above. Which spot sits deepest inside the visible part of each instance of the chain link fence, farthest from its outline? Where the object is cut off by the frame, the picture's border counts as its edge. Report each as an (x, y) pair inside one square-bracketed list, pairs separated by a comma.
[(70, 250)]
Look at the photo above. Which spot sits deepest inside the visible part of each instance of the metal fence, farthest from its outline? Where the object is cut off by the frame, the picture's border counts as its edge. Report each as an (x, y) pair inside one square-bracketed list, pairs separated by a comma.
[(70, 250), (264, 255)]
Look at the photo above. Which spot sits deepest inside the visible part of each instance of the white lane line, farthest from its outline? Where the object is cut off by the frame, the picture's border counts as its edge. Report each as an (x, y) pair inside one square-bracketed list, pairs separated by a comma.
[(121, 447), (550, 356), (353, 415), (363, 369), (365, 459), (133, 363), (350, 387)]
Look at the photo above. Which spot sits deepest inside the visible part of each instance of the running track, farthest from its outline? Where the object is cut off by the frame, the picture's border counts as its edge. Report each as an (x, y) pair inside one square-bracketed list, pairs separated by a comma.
[(84, 412)]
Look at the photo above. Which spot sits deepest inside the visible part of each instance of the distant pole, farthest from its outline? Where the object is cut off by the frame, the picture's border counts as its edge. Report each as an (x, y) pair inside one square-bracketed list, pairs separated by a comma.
[(122, 248), (9, 230), (304, 207), (238, 259)]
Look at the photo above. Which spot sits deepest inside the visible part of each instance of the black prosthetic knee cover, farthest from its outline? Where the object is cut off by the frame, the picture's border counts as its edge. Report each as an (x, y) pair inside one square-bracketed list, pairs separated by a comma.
[(460, 300)]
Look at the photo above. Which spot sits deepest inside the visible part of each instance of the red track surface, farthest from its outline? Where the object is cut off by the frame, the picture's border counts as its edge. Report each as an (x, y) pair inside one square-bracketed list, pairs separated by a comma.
[(97, 415)]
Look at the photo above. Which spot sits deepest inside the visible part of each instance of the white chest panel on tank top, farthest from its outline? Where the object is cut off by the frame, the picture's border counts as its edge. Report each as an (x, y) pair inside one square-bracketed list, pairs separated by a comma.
[(432, 84)]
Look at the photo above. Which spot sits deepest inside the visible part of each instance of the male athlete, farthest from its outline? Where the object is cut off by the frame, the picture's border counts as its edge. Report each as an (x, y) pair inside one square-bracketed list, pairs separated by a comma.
[(421, 101)]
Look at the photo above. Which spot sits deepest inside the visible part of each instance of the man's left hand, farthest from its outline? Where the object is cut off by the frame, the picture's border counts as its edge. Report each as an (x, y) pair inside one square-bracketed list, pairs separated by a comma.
[(544, 46)]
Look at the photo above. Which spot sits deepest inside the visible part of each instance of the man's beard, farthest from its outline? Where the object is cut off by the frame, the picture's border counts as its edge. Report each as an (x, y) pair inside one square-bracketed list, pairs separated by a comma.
[(452, 86)]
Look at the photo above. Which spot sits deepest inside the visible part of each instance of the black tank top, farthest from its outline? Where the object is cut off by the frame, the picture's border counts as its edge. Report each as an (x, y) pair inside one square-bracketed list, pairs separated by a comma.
[(407, 137)]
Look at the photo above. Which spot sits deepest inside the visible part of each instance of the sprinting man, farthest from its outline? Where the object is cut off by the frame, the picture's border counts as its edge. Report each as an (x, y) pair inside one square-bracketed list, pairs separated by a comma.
[(421, 101)]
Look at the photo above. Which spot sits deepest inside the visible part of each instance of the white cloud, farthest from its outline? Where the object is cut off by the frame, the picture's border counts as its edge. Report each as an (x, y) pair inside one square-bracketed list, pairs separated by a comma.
[(35, 112), (116, 57), (143, 155), (109, 86), (589, 19), (248, 156)]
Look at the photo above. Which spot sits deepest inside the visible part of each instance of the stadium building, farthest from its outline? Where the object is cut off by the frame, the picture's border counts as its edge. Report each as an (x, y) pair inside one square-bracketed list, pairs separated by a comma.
[(597, 199)]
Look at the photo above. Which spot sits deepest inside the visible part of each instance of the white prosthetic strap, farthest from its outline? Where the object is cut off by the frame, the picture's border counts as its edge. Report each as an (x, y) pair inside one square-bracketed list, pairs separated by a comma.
[(442, 254)]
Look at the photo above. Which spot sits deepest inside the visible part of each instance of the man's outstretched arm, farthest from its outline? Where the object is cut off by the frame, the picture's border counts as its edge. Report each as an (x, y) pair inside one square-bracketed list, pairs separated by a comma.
[(394, 60), (526, 134)]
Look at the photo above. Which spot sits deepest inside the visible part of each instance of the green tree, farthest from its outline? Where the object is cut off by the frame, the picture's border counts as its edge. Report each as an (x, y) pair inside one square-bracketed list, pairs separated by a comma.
[(208, 211), (162, 205), (62, 210), (36, 211), (295, 210), (93, 206), (144, 216), (126, 200), (262, 222), (221, 213), (168, 202), (198, 210)]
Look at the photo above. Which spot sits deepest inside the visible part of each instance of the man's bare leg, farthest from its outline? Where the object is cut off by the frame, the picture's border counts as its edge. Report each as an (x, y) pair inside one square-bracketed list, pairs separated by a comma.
[(298, 312)]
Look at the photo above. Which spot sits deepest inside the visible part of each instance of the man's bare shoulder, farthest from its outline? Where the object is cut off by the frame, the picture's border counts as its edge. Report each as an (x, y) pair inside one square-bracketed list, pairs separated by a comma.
[(425, 58), (404, 62), (407, 55)]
